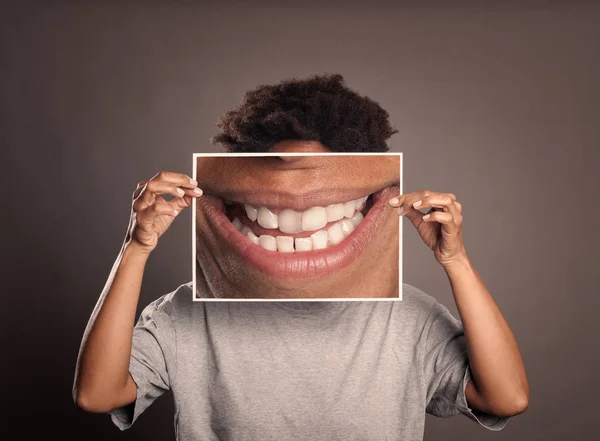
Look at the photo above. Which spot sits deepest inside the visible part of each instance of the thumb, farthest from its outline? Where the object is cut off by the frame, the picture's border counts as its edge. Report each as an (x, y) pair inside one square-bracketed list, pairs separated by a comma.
[(413, 215)]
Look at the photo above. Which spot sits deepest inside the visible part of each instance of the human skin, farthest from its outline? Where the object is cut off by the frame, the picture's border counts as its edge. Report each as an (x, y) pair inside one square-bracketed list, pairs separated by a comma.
[(102, 380), (499, 383), (297, 183)]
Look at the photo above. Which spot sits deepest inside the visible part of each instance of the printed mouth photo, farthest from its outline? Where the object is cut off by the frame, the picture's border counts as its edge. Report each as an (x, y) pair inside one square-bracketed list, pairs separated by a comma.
[(312, 233)]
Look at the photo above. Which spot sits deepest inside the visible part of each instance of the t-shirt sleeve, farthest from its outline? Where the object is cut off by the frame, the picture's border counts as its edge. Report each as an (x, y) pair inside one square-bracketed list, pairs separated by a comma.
[(447, 371), (152, 364)]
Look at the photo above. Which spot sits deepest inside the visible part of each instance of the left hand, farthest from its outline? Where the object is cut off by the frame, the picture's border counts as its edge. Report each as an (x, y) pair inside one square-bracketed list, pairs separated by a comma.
[(440, 228)]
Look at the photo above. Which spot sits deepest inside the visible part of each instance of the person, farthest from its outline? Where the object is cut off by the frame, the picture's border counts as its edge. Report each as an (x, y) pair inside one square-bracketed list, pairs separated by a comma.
[(313, 370)]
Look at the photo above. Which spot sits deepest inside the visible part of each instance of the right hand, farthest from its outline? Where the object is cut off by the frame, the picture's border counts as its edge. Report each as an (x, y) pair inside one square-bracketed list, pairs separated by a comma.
[(152, 214)]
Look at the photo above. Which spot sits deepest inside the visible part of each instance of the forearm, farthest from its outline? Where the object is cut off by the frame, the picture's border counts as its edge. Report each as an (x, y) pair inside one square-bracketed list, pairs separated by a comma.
[(498, 372), (102, 375)]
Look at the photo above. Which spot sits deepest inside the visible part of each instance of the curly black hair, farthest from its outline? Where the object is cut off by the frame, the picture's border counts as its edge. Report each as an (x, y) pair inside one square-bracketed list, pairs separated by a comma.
[(320, 108)]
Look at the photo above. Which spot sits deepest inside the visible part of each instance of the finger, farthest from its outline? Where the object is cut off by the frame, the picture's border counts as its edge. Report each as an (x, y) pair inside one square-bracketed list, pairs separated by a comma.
[(181, 203), (409, 199), (405, 202), (444, 201), (446, 219), (144, 200), (139, 189), (153, 189), (402, 203), (148, 215), (412, 214), (179, 179), (193, 192), (401, 199), (396, 201), (406, 209), (184, 201), (162, 187), (411, 204), (455, 212), (435, 200), (176, 203)]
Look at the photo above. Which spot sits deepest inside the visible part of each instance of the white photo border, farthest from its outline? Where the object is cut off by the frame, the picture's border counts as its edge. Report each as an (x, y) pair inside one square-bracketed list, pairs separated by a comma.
[(198, 155)]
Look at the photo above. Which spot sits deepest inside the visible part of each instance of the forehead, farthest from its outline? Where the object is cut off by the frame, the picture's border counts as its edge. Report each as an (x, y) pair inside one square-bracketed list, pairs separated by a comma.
[(293, 146)]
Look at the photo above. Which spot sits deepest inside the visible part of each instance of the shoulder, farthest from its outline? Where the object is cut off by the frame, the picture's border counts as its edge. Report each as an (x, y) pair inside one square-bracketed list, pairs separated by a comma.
[(417, 309), (418, 301), (173, 304)]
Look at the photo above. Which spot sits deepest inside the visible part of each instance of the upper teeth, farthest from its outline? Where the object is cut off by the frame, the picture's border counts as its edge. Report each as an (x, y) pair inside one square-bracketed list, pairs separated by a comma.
[(291, 222), (317, 241)]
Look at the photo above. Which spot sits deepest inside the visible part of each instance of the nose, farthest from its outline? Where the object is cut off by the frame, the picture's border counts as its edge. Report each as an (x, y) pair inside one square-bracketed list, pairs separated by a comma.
[(297, 147)]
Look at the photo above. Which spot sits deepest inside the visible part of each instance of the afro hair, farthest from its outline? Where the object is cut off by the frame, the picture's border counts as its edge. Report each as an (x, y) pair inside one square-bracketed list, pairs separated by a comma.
[(320, 108)]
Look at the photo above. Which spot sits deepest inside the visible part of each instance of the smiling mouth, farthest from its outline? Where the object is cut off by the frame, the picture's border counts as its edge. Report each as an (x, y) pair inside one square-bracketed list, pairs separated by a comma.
[(297, 242), (289, 231)]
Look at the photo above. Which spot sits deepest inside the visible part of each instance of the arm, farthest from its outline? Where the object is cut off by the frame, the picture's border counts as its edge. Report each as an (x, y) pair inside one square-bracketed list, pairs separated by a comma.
[(102, 379), (499, 384)]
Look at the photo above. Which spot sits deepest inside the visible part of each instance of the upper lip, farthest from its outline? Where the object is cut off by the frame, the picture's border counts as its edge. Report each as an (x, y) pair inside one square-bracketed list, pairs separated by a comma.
[(298, 200)]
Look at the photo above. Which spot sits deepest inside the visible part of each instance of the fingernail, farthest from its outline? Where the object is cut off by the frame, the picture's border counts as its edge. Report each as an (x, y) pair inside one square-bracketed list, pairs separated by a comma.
[(180, 192), (193, 182), (175, 212), (417, 204), (426, 217), (198, 191), (394, 201), (400, 211)]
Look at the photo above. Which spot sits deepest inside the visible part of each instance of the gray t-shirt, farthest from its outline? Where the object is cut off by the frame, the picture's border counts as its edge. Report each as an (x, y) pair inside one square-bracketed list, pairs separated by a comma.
[(354, 370)]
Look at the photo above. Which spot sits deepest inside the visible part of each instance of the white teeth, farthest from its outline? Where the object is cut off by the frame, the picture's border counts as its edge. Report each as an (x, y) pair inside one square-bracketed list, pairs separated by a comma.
[(303, 243), (251, 212), (290, 221), (360, 202), (347, 226), (237, 224), (285, 244), (314, 218), (254, 238), (267, 242), (335, 234), (246, 231), (357, 219), (266, 218), (335, 212), (349, 208), (319, 240)]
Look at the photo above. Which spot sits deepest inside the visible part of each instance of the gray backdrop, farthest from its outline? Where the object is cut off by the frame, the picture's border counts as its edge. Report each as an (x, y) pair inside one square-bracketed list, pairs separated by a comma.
[(498, 105)]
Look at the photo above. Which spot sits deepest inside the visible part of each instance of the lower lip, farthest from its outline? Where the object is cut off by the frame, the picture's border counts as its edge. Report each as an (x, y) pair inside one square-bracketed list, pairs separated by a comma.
[(302, 264)]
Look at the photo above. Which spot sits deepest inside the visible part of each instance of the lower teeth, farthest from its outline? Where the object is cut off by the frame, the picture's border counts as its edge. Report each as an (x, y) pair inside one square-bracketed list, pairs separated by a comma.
[(317, 241)]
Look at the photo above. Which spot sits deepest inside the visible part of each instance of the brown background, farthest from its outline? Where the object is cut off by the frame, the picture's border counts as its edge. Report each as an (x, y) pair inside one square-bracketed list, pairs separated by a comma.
[(498, 104)]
